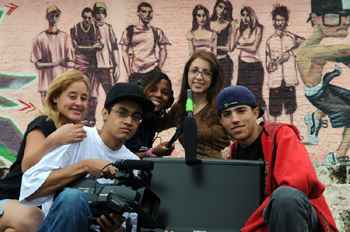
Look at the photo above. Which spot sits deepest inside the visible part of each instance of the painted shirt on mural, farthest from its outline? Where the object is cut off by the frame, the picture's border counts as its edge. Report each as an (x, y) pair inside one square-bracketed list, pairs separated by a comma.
[(47, 48), (143, 47), (110, 43), (287, 71), (207, 44)]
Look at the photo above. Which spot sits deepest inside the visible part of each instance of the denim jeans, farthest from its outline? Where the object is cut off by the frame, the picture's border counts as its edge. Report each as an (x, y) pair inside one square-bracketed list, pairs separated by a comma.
[(289, 210), (69, 212)]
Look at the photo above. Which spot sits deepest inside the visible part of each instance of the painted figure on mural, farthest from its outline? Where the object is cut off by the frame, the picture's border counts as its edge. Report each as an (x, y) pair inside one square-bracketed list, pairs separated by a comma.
[(329, 19), (85, 42), (222, 23), (107, 57), (247, 40), (144, 47), (200, 37), (51, 53), (281, 65)]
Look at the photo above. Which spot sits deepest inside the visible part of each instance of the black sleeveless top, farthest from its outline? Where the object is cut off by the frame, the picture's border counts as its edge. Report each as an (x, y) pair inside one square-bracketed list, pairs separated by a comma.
[(10, 186), (222, 39)]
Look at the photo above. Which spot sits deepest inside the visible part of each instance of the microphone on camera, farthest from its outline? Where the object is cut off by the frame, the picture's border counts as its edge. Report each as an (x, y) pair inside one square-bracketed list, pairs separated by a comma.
[(190, 132), (129, 165)]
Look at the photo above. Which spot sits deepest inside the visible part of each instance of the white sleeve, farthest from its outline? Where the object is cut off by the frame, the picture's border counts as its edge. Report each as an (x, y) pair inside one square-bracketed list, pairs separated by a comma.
[(36, 176)]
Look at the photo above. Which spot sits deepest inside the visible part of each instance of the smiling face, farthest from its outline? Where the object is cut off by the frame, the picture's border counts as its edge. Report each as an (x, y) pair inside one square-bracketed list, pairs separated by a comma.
[(159, 94), (122, 121), (240, 123), (199, 76), (72, 103)]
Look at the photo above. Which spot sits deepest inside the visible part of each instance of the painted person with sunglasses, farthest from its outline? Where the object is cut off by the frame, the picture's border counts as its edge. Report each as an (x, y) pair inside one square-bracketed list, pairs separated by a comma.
[(46, 183), (85, 42), (159, 91), (329, 19), (202, 75), (200, 37)]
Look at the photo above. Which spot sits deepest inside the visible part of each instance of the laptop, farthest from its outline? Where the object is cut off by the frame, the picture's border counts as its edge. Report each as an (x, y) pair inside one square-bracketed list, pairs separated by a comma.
[(214, 196)]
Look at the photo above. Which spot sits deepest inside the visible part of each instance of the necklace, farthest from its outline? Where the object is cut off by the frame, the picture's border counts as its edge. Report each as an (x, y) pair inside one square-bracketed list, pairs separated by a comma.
[(83, 29)]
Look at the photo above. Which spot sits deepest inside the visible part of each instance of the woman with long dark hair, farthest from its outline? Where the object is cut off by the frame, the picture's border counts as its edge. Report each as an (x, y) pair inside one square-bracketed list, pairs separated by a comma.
[(222, 23), (200, 37), (201, 75), (248, 40)]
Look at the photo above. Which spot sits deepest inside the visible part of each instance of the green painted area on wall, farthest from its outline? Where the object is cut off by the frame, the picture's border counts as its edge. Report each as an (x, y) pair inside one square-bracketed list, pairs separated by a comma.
[(6, 103), (6, 153), (9, 80), (2, 13)]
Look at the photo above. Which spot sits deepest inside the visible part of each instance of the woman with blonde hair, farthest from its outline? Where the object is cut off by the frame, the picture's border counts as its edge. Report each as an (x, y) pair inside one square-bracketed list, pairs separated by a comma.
[(64, 108)]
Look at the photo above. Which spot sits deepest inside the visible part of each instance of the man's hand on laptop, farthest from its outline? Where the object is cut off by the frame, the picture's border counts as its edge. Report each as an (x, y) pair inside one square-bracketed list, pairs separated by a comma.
[(100, 168)]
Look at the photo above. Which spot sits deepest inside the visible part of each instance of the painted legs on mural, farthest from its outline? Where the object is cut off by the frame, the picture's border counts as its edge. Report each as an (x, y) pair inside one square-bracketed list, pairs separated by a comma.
[(281, 99), (104, 77), (98, 77), (42, 96), (314, 121), (332, 101), (340, 155), (90, 117)]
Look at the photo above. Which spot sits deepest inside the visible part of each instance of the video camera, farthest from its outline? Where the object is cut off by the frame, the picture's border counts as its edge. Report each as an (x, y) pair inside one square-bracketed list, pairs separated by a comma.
[(127, 192)]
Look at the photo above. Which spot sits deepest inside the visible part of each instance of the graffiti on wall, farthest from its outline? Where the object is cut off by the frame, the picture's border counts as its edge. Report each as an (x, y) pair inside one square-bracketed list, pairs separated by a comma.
[(276, 55)]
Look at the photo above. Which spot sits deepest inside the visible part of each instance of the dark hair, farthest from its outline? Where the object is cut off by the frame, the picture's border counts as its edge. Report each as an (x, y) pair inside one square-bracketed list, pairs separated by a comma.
[(86, 10), (99, 8), (227, 13), (216, 81), (280, 10), (155, 80), (254, 22), (194, 15), (143, 4)]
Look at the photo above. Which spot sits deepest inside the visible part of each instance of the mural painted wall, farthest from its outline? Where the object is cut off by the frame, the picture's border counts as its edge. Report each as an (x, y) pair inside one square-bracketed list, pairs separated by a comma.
[(271, 46)]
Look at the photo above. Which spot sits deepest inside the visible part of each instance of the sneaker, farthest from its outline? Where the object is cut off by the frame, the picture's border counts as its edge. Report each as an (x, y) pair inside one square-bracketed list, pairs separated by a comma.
[(343, 160), (313, 125), (330, 159)]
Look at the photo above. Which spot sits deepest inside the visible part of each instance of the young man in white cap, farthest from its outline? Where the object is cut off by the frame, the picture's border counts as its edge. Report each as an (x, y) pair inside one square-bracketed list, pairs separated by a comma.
[(46, 183), (293, 195)]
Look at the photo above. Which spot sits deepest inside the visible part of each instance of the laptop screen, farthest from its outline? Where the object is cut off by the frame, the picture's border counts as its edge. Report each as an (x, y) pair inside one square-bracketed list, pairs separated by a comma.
[(216, 195)]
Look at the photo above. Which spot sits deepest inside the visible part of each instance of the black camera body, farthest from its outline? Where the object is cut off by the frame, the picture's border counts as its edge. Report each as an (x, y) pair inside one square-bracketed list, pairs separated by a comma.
[(127, 192)]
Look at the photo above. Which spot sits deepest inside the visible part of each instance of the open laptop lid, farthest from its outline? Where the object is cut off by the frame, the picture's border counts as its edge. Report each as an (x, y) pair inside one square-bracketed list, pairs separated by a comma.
[(217, 195)]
